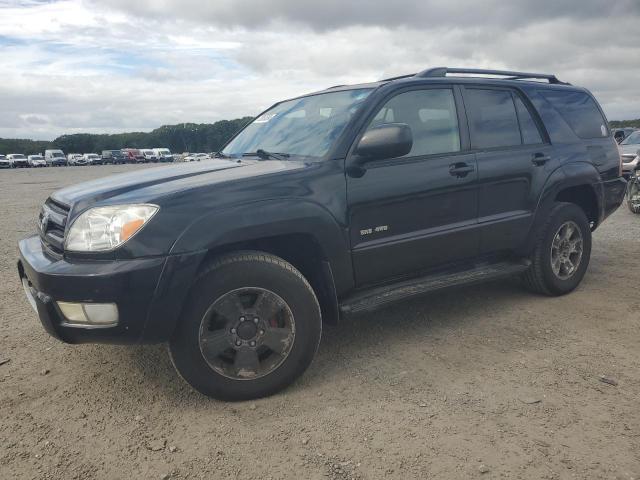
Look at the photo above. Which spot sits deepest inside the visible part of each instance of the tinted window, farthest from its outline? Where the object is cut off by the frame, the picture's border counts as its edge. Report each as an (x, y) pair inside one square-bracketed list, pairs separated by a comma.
[(492, 117), (579, 111), (529, 129), (432, 116)]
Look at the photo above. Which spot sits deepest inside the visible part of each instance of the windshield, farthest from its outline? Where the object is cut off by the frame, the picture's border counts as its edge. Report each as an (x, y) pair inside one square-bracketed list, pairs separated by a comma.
[(305, 126), (633, 139), (57, 154), (18, 156), (36, 157)]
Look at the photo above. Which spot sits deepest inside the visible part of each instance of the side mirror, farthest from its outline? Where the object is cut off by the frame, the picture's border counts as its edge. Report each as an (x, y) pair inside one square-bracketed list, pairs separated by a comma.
[(389, 140)]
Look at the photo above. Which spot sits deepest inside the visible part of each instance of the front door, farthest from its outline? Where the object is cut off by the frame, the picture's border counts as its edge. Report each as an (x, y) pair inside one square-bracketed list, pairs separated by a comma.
[(418, 211)]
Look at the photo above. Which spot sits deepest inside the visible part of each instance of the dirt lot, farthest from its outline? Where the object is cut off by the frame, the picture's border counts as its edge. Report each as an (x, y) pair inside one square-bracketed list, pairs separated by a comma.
[(483, 382)]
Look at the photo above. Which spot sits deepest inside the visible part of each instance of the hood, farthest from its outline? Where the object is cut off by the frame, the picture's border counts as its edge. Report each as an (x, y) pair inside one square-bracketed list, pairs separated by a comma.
[(148, 184)]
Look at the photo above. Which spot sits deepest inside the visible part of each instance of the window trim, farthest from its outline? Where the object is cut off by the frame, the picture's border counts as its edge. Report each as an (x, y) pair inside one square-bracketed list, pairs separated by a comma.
[(544, 136), (463, 128), (542, 131)]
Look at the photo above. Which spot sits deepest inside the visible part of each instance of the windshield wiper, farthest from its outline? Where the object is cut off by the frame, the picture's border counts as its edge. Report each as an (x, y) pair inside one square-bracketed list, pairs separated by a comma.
[(264, 155)]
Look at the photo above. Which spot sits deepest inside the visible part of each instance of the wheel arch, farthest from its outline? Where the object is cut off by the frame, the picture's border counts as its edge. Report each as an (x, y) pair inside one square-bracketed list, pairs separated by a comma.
[(301, 232), (304, 252), (576, 182)]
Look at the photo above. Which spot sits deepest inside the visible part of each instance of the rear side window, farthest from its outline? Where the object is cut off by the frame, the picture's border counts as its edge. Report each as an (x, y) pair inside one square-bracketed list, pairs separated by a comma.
[(580, 111), (529, 129), (492, 117)]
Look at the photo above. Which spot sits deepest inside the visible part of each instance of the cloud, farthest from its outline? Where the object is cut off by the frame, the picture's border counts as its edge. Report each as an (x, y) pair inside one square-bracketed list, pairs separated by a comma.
[(116, 66), (334, 14)]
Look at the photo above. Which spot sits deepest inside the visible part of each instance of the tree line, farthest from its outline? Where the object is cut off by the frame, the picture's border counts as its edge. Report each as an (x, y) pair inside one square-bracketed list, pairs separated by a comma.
[(184, 137), (625, 123)]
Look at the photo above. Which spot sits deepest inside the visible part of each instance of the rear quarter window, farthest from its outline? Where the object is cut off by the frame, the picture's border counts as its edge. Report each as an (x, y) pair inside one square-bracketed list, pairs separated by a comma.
[(580, 111)]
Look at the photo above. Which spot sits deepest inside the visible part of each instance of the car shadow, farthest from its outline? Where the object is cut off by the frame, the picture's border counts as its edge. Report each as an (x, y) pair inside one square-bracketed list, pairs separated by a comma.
[(352, 339)]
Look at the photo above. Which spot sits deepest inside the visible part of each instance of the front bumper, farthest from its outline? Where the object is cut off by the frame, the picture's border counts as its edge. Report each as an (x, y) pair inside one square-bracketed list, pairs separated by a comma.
[(148, 292)]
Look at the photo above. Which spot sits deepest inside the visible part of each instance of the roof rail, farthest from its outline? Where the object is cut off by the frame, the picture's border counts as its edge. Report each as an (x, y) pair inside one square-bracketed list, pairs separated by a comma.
[(397, 78), (443, 71)]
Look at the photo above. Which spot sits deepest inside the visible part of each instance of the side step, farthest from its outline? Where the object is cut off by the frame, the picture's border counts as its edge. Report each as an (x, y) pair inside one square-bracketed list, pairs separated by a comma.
[(378, 297)]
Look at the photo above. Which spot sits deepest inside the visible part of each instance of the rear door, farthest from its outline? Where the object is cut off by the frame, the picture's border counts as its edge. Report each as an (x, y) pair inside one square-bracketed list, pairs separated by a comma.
[(514, 160), (419, 211)]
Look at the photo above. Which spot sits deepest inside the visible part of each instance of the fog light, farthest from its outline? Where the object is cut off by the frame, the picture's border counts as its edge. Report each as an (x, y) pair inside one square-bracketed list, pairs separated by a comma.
[(90, 314)]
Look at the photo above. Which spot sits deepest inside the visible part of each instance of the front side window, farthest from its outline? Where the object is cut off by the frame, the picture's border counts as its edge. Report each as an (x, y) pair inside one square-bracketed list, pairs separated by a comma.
[(492, 118), (431, 114), (306, 126)]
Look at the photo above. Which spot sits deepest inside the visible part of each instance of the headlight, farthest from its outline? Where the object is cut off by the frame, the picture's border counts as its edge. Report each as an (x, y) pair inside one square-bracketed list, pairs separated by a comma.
[(104, 228)]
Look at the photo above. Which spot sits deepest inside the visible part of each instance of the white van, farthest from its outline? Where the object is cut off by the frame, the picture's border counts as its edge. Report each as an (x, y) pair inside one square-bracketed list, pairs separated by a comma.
[(163, 154), (149, 155), (55, 157)]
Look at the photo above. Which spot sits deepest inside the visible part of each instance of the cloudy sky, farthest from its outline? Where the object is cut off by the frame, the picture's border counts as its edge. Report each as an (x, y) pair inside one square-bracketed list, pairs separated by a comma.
[(73, 66)]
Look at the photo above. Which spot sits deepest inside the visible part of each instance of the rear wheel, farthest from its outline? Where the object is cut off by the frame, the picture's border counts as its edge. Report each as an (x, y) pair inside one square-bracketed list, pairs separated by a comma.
[(633, 195), (251, 326), (562, 251)]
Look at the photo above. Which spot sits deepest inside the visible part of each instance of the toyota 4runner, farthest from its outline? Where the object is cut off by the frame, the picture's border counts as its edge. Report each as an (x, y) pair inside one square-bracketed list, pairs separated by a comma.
[(336, 202)]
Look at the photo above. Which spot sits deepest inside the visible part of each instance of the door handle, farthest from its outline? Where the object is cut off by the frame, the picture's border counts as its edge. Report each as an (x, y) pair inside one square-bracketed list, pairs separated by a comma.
[(539, 159), (460, 169)]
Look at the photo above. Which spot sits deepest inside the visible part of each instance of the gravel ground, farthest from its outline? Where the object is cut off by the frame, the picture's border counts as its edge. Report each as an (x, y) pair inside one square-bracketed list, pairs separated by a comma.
[(482, 382)]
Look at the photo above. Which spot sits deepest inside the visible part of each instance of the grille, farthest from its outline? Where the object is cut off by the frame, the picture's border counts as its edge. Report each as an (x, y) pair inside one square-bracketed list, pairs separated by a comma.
[(51, 224)]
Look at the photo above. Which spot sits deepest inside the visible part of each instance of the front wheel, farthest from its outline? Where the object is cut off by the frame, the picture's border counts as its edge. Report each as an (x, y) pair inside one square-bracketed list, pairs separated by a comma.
[(250, 327), (562, 251)]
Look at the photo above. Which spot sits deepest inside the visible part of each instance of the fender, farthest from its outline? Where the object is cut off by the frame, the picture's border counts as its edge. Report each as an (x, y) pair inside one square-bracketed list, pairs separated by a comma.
[(568, 175), (269, 218)]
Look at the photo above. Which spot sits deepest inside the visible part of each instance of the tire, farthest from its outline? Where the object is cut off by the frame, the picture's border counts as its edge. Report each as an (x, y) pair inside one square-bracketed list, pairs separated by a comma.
[(220, 377), (632, 190), (541, 277)]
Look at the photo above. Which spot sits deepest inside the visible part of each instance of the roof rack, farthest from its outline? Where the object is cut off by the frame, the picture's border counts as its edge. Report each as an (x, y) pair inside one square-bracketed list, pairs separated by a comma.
[(398, 77), (443, 71)]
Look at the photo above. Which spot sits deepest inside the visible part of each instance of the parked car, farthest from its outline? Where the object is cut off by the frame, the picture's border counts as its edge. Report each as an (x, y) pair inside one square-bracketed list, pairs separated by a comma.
[(18, 160), (4, 162), (55, 158), (92, 159), (619, 134), (149, 155), (195, 157), (337, 202), (133, 155), (115, 157), (36, 161), (163, 154), (630, 152), (76, 159)]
